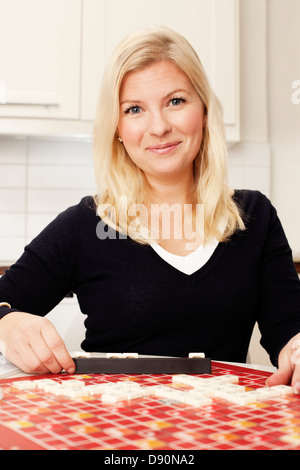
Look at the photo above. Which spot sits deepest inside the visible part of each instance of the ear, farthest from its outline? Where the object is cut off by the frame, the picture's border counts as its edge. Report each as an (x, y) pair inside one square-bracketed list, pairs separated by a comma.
[(118, 135)]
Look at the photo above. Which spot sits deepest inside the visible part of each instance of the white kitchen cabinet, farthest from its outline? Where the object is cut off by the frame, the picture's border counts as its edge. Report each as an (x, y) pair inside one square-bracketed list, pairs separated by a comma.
[(56, 50), (40, 58), (211, 26), (94, 54)]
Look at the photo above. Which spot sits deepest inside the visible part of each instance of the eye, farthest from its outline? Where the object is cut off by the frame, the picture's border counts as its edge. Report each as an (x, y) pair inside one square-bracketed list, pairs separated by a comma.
[(133, 110), (177, 101)]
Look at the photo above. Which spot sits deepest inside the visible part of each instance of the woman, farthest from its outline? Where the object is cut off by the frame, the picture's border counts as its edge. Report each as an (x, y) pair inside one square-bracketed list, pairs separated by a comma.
[(166, 259)]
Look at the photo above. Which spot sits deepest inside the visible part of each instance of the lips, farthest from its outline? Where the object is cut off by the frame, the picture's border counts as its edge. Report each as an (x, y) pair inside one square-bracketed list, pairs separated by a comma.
[(163, 149)]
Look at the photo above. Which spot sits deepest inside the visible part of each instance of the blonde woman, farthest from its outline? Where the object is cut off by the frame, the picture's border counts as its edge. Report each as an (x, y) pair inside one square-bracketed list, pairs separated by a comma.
[(165, 259), (153, 51)]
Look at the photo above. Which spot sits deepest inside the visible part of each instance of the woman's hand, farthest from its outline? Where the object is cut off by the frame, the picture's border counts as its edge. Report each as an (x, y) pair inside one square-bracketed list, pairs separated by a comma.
[(33, 344), (288, 366)]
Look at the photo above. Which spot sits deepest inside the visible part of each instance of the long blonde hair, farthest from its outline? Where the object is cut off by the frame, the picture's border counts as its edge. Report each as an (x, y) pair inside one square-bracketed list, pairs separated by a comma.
[(116, 175)]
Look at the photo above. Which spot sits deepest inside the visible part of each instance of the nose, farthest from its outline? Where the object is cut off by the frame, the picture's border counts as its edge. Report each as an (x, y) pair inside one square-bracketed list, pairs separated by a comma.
[(159, 124)]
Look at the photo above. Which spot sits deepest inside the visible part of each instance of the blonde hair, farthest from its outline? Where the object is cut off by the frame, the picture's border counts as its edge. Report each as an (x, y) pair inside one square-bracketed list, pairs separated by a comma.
[(116, 174)]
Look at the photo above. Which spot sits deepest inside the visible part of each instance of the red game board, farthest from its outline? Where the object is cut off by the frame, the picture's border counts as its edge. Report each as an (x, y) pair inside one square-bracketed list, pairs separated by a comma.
[(39, 420)]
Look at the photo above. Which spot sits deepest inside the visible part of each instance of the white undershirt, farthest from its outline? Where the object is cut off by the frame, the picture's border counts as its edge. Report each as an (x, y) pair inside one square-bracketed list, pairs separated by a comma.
[(190, 263)]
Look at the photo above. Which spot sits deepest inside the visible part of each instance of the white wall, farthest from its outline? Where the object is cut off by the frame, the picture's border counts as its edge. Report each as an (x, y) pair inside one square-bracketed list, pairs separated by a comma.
[(284, 116), (39, 179)]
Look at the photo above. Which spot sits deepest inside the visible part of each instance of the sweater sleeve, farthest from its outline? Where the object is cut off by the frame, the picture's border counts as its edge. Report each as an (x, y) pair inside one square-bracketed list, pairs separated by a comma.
[(279, 316), (45, 272)]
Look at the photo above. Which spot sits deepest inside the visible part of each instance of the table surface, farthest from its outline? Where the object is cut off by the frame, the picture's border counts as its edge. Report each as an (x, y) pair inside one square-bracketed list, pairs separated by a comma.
[(35, 419)]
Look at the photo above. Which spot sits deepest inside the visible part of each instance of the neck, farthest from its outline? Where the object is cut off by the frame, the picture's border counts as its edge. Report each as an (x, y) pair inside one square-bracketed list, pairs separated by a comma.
[(171, 192), (170, 211)]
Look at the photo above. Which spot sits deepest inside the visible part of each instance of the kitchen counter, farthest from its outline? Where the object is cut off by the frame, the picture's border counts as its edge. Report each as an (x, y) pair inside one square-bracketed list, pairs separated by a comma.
[(3, 269)]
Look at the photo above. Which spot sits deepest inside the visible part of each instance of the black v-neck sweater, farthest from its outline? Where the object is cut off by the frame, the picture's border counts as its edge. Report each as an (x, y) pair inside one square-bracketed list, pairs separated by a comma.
[(135, 301)]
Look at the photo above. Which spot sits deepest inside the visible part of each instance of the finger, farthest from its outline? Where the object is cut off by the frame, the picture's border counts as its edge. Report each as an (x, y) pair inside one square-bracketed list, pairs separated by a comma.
[(28, 361), (58, 349), (295, 359), (295, 382), (281, 377), (284, 373), (47, 362), (27, 368), (15, 358)]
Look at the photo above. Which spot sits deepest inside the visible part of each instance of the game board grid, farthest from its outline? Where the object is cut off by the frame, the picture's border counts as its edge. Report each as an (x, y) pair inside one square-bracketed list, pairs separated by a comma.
[(114, 442), (153, 423)]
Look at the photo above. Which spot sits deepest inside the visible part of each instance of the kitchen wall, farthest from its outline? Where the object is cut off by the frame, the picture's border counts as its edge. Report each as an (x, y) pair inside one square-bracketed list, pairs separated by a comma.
[(42, 177), (39, 179), (284, 113)]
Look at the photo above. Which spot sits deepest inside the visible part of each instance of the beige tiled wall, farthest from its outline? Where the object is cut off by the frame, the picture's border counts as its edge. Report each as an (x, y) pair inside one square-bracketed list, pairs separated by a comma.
[(42, 177), (39, 179)]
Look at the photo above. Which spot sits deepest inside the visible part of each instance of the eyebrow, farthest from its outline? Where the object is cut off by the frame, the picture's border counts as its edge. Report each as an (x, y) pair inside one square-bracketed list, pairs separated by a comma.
[(179, 90)]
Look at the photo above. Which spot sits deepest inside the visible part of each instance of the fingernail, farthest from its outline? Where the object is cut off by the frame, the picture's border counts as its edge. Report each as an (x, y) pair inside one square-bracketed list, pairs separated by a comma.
[(71, 370), (296, 388)]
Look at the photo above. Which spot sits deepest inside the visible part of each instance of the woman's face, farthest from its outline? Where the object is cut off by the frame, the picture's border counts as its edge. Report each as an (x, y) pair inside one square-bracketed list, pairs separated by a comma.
[(161, 121)]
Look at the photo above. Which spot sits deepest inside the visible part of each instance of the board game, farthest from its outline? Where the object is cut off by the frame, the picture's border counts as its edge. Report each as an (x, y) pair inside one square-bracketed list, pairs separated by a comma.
[(34, 415)]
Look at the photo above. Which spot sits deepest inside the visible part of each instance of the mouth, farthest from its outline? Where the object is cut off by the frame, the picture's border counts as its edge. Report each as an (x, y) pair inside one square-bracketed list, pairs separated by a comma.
[(164, 149)]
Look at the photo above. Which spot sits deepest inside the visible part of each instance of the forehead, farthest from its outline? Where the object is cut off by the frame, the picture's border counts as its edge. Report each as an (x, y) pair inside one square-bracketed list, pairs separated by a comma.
[(161, 77)]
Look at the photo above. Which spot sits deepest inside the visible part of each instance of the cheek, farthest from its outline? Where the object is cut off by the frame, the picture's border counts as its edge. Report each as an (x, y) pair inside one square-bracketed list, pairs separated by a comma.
[(191, 125), (131, 133)]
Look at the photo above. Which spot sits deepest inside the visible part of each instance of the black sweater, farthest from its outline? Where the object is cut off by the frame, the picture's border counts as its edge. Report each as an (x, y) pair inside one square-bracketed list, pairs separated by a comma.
[(135, 301)]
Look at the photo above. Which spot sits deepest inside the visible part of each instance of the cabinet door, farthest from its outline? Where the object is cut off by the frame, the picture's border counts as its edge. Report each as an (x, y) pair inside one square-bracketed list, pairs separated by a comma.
[(40, 58), (93, 55), (211, 26)]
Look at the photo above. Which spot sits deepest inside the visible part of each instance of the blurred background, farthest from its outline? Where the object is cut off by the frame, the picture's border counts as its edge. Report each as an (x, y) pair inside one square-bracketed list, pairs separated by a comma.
[(53, 53)]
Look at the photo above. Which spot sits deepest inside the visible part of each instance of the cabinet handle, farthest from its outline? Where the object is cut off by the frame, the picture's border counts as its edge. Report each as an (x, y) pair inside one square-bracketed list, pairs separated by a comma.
[(20, 98), (48, 105)]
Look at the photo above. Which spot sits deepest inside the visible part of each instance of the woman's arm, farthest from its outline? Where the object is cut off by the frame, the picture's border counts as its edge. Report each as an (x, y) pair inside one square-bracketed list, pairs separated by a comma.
[(36, 283)]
